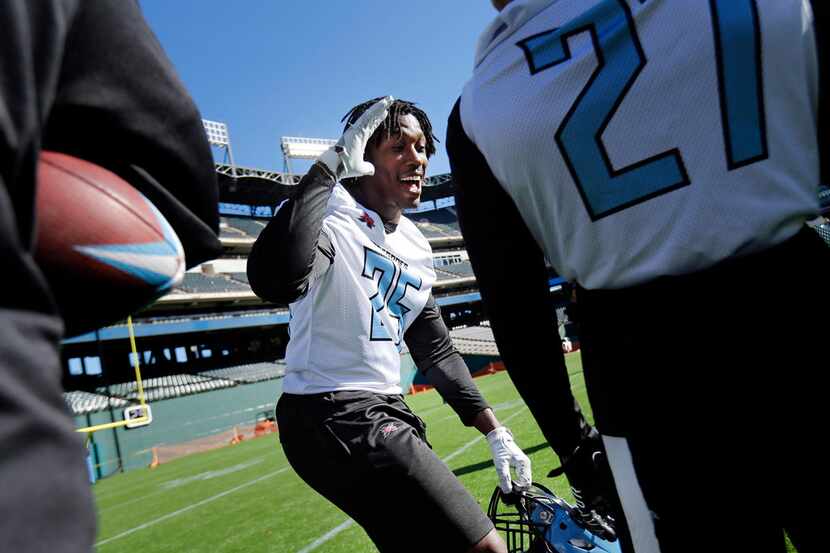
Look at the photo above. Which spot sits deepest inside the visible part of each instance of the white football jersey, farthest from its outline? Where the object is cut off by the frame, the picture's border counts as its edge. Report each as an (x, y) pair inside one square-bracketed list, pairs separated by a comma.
[(641, 138), (347, 331)]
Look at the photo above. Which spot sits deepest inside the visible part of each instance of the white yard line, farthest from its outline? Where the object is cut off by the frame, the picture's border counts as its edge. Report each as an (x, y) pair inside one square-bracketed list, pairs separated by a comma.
[(327, 536), (189, 507), (166, 487), (170, 471), (349, 522)]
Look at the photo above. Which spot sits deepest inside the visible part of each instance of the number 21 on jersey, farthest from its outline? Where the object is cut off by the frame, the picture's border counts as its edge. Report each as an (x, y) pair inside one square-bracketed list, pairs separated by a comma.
[(620, 59)]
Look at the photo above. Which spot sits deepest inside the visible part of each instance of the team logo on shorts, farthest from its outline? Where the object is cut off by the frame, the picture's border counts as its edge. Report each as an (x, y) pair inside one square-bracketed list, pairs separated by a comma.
[(388, 428), (366, 218)]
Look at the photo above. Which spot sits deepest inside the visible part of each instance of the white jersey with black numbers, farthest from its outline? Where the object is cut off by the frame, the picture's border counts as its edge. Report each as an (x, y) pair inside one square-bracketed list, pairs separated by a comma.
[(641, 138), (346, 331)]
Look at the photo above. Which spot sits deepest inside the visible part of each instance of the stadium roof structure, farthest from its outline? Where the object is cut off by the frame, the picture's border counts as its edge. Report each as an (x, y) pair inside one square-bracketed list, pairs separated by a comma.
[(266, 174), (433, 185)]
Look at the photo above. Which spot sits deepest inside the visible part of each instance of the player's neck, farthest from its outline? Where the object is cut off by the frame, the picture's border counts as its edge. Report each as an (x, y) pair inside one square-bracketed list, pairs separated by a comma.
[(390, 214)]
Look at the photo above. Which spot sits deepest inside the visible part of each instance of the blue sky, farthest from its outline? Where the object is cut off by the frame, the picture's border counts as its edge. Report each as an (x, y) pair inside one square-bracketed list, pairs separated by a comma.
[(272, 68)]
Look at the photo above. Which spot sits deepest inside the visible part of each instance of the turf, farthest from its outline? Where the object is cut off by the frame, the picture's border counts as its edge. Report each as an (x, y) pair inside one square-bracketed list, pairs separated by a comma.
[(246, 498)]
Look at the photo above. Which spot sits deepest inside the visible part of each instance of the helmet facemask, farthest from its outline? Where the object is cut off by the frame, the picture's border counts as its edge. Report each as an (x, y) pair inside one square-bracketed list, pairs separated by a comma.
[(535, 520)]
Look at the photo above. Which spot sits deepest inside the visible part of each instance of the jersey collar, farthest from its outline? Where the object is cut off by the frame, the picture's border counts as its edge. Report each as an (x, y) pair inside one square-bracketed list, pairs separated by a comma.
[(368, 220), (510, 19)]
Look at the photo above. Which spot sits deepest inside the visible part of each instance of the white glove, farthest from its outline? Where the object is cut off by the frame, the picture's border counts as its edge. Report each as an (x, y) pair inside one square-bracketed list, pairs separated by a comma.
[(507, 454), (345, 159)]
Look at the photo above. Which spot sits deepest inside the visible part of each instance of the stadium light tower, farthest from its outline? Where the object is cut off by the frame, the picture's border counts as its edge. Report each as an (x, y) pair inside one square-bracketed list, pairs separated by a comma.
[(302, 148), (217, 134)]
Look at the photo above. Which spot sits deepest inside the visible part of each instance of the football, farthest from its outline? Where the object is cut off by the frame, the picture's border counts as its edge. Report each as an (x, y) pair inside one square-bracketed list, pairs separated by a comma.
[(104, 248)]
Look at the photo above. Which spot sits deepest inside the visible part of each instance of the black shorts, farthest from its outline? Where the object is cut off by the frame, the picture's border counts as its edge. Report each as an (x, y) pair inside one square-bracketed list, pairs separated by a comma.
[(367, 453), (714, 382)]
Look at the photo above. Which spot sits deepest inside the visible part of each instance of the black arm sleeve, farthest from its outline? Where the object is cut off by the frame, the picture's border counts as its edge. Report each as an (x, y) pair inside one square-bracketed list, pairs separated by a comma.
[(120, 104), (292, 251), (503, 253), (431, 347)]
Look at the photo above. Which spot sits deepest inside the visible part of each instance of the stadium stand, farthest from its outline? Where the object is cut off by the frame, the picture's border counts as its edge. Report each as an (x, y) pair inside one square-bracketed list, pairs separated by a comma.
[(242, 227), (227, 231), (442, 274), (241, 277), (248, 374), (168, 387), (474, 340), (437, 223), (199, 283), (463, 269), (173, 386), (81, 403), (434, 224), (824, 198), (824, 231)]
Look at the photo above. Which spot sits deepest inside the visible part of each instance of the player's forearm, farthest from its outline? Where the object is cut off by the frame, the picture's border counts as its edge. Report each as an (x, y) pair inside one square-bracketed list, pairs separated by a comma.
[(486, 421), (285, 253), (434, 354), (452, 379), (542, 381)]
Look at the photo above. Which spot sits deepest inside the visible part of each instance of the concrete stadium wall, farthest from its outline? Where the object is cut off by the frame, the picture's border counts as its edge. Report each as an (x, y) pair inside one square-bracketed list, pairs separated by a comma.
[(474, 362), (180, 420)]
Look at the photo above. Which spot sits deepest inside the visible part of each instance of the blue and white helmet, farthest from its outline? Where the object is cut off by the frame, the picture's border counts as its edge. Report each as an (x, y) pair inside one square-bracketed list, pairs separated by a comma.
[(535, 520)]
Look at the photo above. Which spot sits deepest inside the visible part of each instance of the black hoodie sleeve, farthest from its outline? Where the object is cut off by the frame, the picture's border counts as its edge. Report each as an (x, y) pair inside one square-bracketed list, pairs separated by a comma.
[(292, 251)]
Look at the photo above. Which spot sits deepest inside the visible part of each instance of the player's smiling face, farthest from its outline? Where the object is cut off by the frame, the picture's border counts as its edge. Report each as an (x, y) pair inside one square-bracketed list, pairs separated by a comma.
[(400, 168)]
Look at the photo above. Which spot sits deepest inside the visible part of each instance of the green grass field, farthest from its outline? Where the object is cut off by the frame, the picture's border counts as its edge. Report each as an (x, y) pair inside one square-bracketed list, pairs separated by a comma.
[(246, 498)]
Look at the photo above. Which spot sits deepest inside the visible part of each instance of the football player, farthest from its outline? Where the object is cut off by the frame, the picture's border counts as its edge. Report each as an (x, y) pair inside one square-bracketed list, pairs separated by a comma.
[(664, 155), (87, 79), (358, 276)]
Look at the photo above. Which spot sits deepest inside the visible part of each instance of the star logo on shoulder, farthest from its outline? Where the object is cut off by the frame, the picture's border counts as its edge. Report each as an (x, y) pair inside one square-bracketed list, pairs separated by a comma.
[(366, 218)]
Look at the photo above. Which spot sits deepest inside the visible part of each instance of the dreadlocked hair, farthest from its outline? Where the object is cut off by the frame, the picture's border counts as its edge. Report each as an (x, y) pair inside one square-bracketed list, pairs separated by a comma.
[(391, 125)]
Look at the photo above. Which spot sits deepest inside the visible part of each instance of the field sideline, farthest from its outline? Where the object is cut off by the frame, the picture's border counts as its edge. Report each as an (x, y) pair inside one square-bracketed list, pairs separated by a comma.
[(247, 499)]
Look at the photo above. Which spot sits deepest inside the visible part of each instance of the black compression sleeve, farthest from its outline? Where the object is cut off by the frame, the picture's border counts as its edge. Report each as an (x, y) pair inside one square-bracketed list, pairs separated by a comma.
[(431, 347), (292, 251), (504, 255)]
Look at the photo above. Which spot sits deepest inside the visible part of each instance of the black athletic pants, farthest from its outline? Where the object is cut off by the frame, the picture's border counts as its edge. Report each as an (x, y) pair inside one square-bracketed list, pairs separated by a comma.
[(367, 453), (711, 388)]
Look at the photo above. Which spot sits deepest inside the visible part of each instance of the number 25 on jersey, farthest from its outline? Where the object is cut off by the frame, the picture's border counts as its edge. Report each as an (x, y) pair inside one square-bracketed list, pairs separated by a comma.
[(392, 284)]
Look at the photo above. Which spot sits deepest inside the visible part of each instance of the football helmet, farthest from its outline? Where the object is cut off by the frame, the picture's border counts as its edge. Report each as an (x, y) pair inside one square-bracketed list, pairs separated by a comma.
[(535, 520)]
